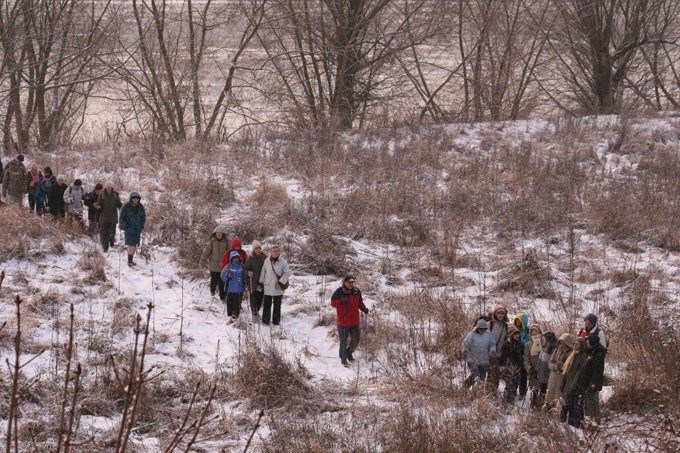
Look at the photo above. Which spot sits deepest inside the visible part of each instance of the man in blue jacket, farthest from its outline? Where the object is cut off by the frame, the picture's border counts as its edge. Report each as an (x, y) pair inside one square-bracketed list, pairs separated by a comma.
[(132, 220)]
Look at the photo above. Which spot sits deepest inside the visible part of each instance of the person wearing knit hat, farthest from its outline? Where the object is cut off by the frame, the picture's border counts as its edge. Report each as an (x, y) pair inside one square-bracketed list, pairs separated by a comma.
[(477, 349), (211, 257), (34, 177), (253, 268), (591, 378), (590, 326), (55, 198), (557, 359), (93, 212), (498, 328), (512, 363), (132, 220)]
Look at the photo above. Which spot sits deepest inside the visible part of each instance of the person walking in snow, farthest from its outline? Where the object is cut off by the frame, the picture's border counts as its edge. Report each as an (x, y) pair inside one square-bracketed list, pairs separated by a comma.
[(74, 203), (478, 347), (235, 282), (236, 246), (532, 351), (253, 268), (55, 199), (131, 221), (590, 326), (42, 191), (34, 178), (521, 322), (347, 301), (572, 391), (274, 281), (555, 366), (592, 376), (212, 257), (14, 177), (93, 212), (512, 363), (498, 327), (108, 204)]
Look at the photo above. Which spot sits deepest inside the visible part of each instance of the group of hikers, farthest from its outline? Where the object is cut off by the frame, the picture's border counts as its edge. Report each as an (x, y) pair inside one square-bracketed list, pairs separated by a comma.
[(565, 374), (50, 194)]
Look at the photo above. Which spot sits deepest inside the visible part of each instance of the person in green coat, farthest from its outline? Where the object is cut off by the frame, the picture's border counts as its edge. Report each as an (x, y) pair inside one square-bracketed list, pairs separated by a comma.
[(253, 268), (571, 389), (212, 257), (108, 203)]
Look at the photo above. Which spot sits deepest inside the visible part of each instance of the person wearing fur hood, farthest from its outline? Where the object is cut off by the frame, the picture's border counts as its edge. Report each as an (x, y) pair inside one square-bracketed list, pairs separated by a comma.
[(555, 364), (213, 251), (478, 347)]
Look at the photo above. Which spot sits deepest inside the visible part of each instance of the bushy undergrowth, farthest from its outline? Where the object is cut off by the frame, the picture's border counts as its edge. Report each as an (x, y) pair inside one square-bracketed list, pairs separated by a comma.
[(22, 232)]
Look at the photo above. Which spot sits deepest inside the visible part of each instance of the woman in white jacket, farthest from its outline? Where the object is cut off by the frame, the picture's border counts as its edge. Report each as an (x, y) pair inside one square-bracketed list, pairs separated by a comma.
[(273, 280)]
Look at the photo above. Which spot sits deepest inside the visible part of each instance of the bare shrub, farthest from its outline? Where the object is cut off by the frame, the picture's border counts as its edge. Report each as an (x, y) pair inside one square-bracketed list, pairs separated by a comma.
[(270, 195), (123, 319), (20, 233), (324, 254), (269, 380), (92, 261), (528, 277)]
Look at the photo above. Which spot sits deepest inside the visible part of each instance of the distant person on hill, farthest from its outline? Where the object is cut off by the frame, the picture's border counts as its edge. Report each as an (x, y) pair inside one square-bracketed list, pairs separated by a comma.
[(512, 363), (132, 220), (571, 390), (590, 326), (14, 178), (93, 212), (478, 347), (521, 322), (498, 327), (347, 301), (274, 281), (592, 376), (212, 257), (42, 191), (236, 246), (235, 282), (108, 203), (253, 268), (73, 199), (555, 366), (33, 179), (56, 199)]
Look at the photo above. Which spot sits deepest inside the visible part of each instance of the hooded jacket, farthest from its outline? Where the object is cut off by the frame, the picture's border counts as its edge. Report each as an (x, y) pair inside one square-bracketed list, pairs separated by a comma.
[(109, 204), (255, 264), (347, 303), (512, 355), (233, 275), (236, 242), (214, 250), (542, 370), (132, 218), (498, 329), (524, 336), (478, 347), (14, 179), (592, 375), (570, 383)]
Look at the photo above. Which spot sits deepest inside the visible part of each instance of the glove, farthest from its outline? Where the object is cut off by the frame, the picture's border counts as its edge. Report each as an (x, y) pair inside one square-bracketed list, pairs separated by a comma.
[(365, 310), (258, 289)]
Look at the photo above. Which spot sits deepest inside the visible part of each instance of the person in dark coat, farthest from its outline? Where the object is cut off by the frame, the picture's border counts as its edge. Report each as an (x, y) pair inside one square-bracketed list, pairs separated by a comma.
[(571, 385), (14, 178), (93, 212), (55, 199), (347, 301), (254, 268), (42, 191), (108, 203), (592, 377), (132, 220), (511, 363)]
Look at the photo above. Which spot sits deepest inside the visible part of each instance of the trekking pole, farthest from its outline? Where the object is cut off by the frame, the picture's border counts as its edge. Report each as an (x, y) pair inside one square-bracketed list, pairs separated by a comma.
[(365, 328)]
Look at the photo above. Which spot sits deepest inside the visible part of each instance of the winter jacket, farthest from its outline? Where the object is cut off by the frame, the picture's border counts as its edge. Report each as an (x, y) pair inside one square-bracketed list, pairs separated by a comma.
[(214, 250), (478, 347), (542, 370), (242, 253), (524, 335), (31, 185), (109, 203), (512, 355), (555, 364), (73, 200), (14, 179), (90, 200), (55, 198), (233, 276), (268, 277), (347, 303), (254, 265), (42, 191), (597, 331), (132, 218), (570, 383), (498, 329), (592, 375)]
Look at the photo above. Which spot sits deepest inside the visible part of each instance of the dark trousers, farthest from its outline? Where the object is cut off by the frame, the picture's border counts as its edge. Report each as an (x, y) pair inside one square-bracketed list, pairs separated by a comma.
[(349, 340), (92, 226), (234, 304), (216, 284), (40, 207), (477, 371), (31, 201), (523, 377), (256, 301), (511, 376), (494, 377), (574, 411), (267, 310), (107, 235)]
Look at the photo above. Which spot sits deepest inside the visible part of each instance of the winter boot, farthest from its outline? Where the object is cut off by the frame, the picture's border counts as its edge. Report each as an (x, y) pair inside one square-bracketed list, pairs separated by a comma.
[(105, 247), (345, 363), (130, 262), (350, 357), (256, 318)]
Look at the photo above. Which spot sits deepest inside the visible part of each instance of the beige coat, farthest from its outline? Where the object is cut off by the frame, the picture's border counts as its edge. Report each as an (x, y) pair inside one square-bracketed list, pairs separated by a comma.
[(557, 359), (214, 250)]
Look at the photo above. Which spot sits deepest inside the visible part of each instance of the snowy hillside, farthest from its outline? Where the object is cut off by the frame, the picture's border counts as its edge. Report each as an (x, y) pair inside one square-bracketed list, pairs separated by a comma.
[(555, 219)]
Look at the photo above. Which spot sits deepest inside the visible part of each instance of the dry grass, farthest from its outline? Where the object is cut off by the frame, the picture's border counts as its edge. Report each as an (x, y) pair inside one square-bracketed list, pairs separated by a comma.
[(21, 233)]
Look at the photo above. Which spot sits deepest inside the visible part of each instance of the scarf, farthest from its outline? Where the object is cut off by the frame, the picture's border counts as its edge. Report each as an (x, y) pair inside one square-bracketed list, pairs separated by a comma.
[(35, 179), (536, 346), (568, 362)]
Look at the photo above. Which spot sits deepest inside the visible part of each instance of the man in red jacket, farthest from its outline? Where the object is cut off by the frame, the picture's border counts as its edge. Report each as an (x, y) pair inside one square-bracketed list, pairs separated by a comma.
[(347, 301)]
